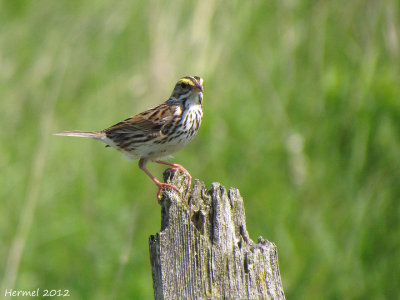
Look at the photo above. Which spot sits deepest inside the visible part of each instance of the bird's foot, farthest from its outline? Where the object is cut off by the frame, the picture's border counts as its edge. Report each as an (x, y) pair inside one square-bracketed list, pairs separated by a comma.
[(162, 186), (176, 167), (183, 170)]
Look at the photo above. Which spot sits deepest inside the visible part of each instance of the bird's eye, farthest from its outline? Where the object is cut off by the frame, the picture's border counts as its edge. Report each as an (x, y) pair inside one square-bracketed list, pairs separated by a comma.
[(183, 85)]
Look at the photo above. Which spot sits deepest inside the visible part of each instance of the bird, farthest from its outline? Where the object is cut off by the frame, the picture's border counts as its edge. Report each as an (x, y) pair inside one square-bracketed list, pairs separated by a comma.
[(157, 132)]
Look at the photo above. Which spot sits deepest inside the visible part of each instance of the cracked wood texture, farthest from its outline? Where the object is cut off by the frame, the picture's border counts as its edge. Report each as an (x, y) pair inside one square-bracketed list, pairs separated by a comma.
[(204, 251)]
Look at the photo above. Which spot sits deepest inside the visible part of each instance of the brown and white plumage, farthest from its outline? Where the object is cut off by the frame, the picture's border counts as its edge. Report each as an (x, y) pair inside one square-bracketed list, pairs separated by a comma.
[(159, 131)]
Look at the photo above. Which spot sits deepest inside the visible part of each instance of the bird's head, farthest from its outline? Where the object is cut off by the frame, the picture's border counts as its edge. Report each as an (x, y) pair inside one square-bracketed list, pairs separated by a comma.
[(189, 90)]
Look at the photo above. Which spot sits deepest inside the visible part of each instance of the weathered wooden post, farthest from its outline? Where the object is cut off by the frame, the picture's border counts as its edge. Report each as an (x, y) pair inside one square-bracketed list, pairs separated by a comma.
[(203, 249)]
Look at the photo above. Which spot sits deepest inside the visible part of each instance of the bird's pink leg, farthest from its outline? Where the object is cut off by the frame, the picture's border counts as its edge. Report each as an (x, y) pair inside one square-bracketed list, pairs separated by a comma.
[(176, 167), (161, 186)]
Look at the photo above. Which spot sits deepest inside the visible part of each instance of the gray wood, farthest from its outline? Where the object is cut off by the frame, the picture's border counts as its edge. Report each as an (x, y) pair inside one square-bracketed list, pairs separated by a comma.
[(204, 251)]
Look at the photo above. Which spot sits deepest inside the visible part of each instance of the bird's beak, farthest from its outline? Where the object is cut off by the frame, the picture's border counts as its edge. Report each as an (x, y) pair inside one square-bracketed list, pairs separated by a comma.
[(198, 88)]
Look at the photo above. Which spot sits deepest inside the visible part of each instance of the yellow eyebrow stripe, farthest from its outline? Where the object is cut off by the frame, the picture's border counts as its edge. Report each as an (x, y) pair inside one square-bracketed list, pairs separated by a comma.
[(187, 81), (192, 81)]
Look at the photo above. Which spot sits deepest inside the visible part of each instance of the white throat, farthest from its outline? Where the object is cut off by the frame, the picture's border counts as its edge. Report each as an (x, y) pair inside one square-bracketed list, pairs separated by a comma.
[(194, 99)]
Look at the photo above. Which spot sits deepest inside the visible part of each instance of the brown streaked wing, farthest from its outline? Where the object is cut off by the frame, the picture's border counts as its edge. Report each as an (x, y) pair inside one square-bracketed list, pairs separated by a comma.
[(149, 121)]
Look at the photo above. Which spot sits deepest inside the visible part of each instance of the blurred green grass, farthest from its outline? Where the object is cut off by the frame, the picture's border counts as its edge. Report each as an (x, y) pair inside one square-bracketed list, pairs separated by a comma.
[(301, 113)]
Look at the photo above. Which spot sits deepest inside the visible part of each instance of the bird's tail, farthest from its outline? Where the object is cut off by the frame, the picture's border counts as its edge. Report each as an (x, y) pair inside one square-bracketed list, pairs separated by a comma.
[(88, 134)]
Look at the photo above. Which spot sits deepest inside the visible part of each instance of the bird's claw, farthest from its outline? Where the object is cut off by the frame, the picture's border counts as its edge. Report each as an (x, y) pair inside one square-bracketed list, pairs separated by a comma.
[(162, 186), (183, 170)]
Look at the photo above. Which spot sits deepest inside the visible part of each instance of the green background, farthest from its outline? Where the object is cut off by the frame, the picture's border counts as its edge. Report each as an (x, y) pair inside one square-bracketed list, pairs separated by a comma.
[(301, 113)]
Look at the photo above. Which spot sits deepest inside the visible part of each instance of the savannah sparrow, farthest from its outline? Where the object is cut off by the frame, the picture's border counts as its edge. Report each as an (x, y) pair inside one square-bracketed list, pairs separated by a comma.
[(159, 131)]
